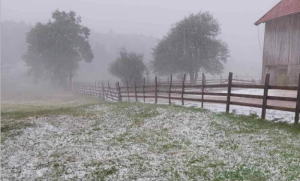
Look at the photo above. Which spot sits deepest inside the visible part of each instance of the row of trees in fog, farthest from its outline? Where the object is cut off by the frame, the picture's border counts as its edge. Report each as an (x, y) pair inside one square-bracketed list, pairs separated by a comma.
[(55, 49), (192, 45)]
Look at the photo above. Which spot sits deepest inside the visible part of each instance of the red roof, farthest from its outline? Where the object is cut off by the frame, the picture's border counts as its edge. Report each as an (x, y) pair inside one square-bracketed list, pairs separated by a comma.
[(283, 8)]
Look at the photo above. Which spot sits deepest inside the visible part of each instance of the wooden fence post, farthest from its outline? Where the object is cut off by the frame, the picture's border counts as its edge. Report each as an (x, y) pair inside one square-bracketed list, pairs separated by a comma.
[(182, 91), (95, 89), (108, 89), (170, 89), (155, 90), (297, 103), (296, 121), (119, 92), (99, 90), (127, 91), (85, 88), (266, 89), (103, 91), (90, 88), (229, 92), (135, 94), (203, 85), (144, 82)]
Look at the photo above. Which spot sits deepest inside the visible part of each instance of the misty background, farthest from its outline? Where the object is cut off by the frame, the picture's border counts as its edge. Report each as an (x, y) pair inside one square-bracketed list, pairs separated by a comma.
[(133, 24)]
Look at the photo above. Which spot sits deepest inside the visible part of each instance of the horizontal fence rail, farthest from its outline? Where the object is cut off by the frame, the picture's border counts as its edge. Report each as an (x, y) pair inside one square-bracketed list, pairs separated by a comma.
[(203, 92)]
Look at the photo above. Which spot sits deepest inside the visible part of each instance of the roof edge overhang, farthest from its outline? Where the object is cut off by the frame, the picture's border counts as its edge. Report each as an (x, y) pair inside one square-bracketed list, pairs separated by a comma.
[(281, 9), (261, 20)]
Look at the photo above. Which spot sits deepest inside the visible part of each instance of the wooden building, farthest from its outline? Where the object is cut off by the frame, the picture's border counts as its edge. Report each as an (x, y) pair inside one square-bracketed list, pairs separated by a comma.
[(281, 54)]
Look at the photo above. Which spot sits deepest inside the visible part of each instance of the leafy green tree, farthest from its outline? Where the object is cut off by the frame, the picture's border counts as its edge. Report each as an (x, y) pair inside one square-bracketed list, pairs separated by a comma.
[(128, 67), (55, 48), (192, 44)]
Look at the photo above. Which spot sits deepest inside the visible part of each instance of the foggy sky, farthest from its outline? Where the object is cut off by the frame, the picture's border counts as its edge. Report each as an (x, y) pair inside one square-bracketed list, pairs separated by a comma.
[(155, 17)]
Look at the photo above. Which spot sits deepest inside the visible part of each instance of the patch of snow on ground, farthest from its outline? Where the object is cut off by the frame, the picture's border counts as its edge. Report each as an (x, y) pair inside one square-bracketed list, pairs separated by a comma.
[(122, 144)]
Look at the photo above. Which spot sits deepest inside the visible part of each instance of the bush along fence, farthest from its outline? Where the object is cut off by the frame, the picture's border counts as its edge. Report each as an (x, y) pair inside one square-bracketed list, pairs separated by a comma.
[(206, 91)]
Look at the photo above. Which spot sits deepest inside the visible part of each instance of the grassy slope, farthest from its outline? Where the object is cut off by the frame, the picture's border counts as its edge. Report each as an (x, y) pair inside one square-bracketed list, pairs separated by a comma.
[(165, 142)]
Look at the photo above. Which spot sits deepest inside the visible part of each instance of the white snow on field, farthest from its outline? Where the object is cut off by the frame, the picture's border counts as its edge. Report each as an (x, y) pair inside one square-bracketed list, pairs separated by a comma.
[(271, 115), (146, 142)]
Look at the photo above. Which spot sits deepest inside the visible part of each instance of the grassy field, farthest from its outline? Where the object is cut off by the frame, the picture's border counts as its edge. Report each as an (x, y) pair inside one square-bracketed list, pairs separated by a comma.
[(85, 139)]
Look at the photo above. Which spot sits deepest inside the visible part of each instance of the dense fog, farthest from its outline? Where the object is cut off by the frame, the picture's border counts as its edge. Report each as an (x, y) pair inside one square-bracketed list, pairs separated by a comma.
[(135, 25)]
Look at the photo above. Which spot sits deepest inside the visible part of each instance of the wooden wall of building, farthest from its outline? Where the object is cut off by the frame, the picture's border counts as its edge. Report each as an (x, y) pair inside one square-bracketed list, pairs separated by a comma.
[(282, 45)]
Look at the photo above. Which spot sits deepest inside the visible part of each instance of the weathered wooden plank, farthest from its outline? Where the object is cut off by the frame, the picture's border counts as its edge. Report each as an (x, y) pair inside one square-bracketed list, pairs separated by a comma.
[(247, 86), (246, 104), (247, 96)]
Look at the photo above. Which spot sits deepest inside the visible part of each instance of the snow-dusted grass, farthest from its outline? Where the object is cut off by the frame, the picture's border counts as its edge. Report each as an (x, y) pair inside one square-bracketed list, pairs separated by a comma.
[(135, 141)]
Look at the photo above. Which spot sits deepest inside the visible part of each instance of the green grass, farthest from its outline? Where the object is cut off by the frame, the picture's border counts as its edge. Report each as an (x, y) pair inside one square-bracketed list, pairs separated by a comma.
[(22, 111), (15, 117), (163, 141), (252, 124)]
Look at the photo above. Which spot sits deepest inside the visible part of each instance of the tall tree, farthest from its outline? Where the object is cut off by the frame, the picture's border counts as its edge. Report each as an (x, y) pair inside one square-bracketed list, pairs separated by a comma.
[(56, 47), (128, 67), (192, 44)]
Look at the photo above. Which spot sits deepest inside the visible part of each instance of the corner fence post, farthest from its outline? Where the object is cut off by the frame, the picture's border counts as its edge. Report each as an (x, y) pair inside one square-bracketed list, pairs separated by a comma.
[(135, 94), (182, 91), (297, 103), (229, 92), (170, 89), (265, 98), (144, 82), (155, 90), (202, 91)]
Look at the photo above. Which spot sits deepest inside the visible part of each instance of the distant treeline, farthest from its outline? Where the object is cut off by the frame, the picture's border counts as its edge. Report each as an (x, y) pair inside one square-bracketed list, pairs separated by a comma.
[(105, 47)]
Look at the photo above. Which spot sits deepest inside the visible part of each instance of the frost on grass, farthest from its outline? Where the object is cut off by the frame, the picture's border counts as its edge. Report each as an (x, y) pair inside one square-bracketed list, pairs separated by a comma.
[(148, 142)]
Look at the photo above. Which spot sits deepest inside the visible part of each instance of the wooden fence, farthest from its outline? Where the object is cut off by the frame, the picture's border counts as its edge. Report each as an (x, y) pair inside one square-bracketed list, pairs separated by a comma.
[(201, 92)]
